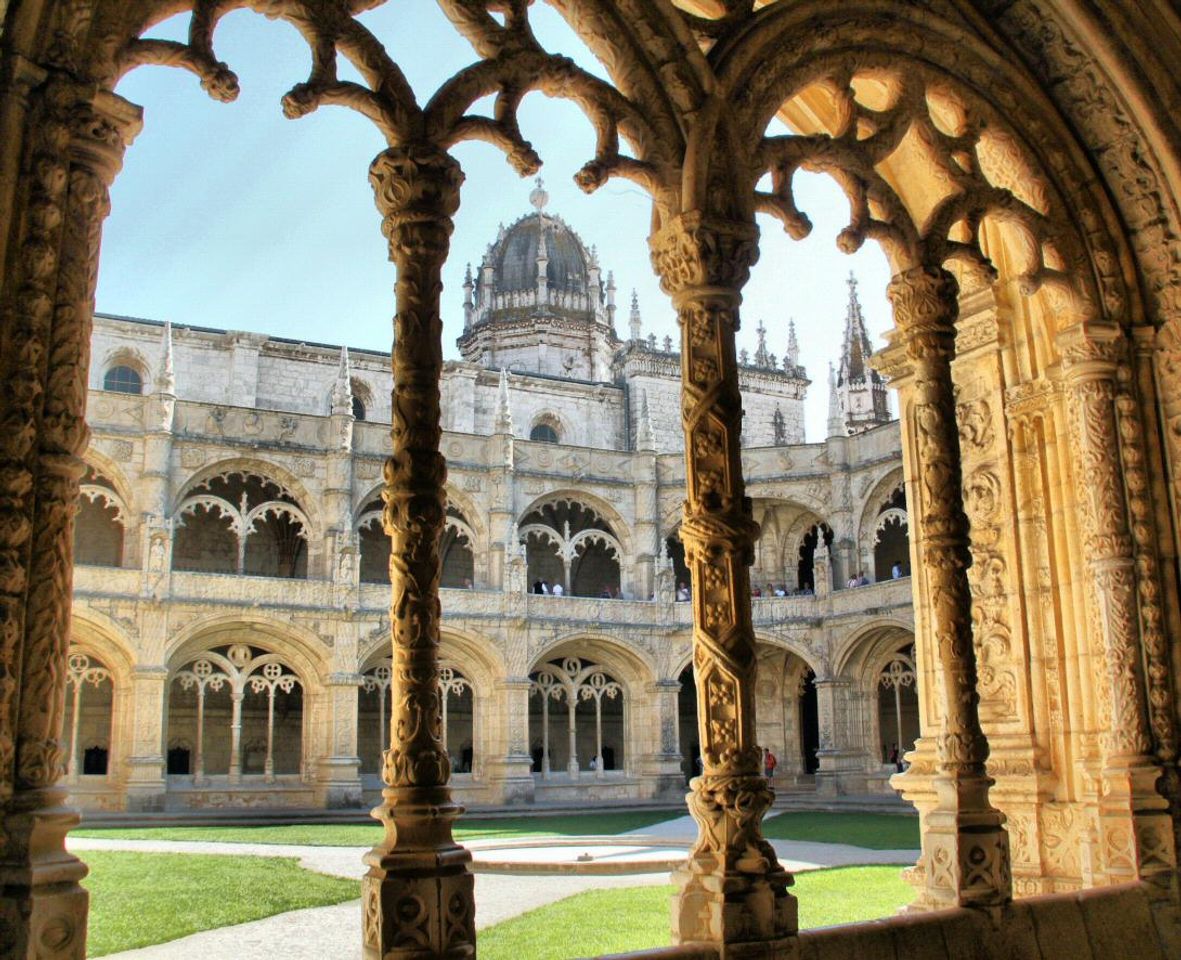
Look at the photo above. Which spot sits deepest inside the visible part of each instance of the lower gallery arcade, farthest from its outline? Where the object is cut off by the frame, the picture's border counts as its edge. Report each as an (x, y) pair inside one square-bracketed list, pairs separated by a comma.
[(241, 710), (1018, 164)]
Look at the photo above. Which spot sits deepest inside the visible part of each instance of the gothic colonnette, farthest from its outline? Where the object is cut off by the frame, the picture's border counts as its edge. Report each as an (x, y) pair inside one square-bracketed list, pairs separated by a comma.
[(1020, 165), (230, 639)]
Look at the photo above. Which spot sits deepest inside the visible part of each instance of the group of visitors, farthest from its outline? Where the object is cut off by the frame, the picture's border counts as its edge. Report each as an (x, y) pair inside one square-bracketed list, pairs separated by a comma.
[(543, 586), (771, 590), (859, 579)]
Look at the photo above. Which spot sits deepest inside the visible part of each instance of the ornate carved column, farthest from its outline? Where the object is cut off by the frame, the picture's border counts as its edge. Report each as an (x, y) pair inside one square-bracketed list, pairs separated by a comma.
[(1137, 830), (966, 848), (417, 892), (76, 150), (733, 890)]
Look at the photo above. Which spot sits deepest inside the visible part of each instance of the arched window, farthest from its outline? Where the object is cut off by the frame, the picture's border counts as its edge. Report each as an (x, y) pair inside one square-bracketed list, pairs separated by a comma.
[(242, 708), (358, 408), (238, 522), (568, 544), (89, 698), (544, 432), (123, 379), (593, 703), (98, 524)]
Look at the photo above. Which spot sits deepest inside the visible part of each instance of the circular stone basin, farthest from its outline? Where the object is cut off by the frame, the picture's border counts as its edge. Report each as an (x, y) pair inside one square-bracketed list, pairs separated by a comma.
[(578, 855)]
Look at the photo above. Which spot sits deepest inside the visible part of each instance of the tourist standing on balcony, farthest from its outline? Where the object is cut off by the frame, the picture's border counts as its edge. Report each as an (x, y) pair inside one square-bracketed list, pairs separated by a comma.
[(557, 590), (896, 570)]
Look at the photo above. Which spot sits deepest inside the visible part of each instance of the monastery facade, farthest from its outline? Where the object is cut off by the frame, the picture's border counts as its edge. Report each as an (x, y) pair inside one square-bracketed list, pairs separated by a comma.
[(231, 626)]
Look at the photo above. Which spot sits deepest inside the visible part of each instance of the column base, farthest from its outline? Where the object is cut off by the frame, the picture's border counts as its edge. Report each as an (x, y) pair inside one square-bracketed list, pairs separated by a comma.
[(418, 898), (1136, 827), (965, 847), (43, 907), (338, 783), (733, 892), (512, 779)]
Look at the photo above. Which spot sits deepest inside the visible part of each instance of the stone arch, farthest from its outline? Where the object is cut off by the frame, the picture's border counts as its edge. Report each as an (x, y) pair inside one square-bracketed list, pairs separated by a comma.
[(306, 651), (1025, 124), (632, 664), (574, 540), (100, 462), (856, 656), (265, 469), (266, 701), (619, 526), (93, 630), (244, 521), (478, 667), (463, 527), (101, 522), (624, 666), (786, 707), (783, 520), (875, 554)]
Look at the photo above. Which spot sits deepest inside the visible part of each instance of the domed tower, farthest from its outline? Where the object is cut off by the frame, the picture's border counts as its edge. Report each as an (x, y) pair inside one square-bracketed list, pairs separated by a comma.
[(539, 304)]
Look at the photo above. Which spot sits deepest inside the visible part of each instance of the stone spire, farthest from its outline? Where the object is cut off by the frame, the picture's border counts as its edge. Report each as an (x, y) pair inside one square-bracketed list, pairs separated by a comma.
[(645, 436), (504, 415), (469, 306), (836, 421), (791, 359), (860, 389), (856, 346), (611, 299), (634, 320), (542, 260), (761, 357), (342, 389), (166, 375)]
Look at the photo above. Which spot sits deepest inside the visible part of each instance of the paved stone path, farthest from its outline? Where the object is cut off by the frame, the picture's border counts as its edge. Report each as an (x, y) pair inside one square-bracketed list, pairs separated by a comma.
[(320, 932)]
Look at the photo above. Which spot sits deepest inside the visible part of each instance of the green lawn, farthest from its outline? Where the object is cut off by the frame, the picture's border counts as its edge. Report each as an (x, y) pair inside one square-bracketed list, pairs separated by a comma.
[(366, 835), (137, 899), (637, 918), (874, 831)]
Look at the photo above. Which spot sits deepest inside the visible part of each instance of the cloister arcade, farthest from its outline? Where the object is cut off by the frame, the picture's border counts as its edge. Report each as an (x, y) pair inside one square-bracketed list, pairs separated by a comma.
[(568, 542), (1018, 164)]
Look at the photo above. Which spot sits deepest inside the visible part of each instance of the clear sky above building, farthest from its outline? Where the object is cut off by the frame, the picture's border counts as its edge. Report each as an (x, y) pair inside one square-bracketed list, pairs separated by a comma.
[(230, 215)]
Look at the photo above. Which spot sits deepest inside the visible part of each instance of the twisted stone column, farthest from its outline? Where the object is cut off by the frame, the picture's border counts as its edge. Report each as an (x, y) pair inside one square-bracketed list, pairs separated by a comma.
[(1091, 357), (966, 848), (733, 890), (417, 892), (76, 150)]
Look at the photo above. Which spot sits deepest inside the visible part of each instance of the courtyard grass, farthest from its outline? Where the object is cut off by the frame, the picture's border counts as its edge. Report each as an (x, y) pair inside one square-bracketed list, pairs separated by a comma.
[(366, 835), (137, 899), (637, 918), (873, 831)]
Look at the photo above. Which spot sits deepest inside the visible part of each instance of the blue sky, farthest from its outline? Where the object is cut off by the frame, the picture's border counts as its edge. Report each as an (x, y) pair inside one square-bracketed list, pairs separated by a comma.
[(230, 215)]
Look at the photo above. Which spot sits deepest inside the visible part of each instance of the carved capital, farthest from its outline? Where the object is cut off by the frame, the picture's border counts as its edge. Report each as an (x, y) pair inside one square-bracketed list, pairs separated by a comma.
[(694, 252), (1091, 350), (925, 310), (416, 188)]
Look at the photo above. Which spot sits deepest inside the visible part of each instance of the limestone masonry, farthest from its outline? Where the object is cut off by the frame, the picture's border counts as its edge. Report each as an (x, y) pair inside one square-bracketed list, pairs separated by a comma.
[(231, 632)]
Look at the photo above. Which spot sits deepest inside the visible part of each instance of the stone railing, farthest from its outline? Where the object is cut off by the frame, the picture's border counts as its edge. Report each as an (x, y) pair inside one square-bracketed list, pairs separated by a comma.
[(233, 589)]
